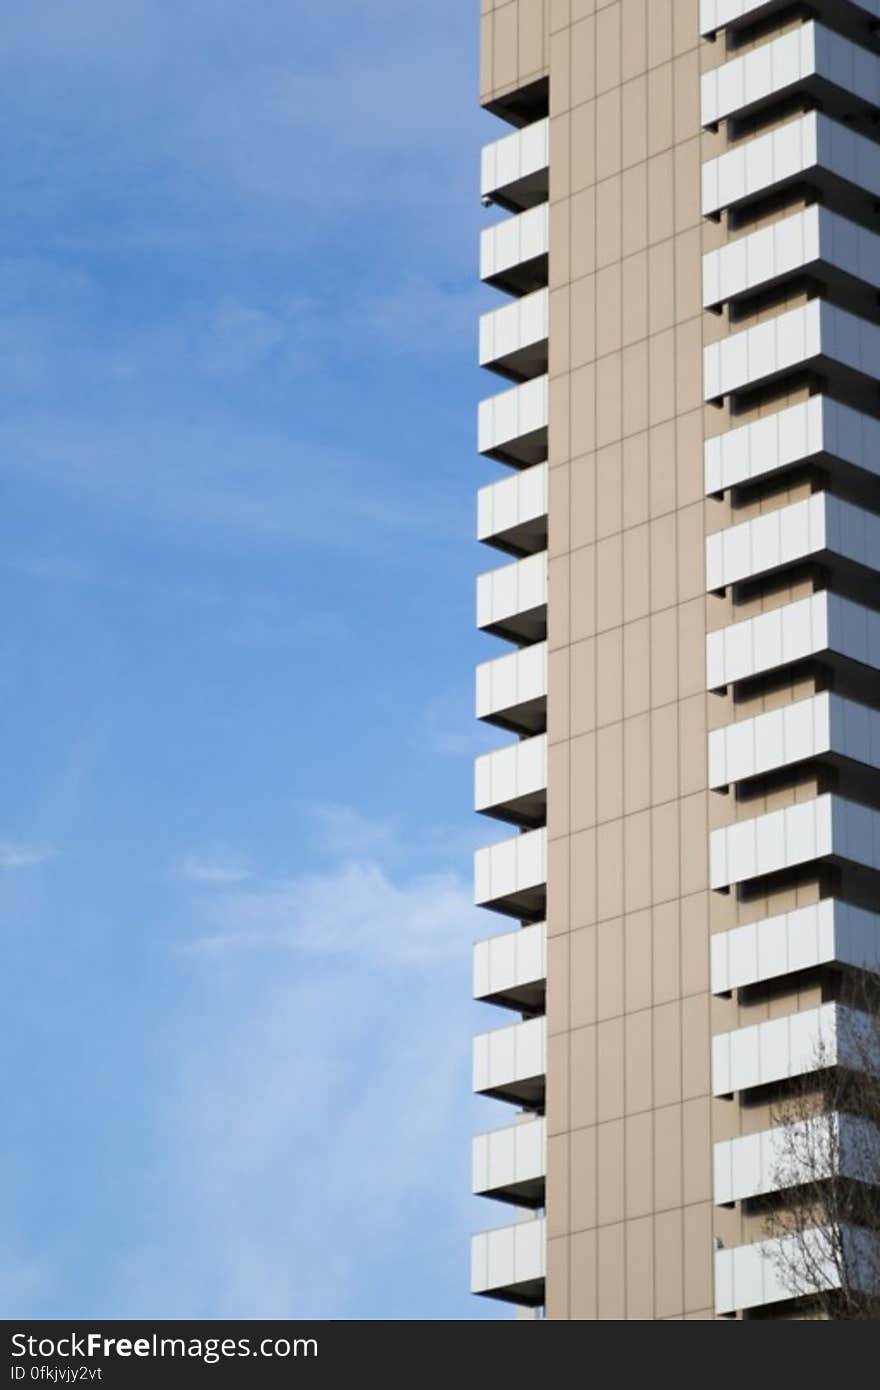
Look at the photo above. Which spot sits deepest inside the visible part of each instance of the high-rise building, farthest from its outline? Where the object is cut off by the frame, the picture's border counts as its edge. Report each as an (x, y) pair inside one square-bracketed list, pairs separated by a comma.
[(686, 242)]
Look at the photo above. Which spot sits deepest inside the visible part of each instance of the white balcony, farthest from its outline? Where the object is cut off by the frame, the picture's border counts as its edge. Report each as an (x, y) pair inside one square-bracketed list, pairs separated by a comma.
[(753, 1276), (513, 253), (512, 600), (824, 726), (511, 877), (825, 1146), (509, 1263), (512, 690), (513, 339), (817, 335), (826, 827), (813, 58), (820, 528), (510, 1063), (510, 783), (733, 14), (832, 248), (510, 969), (830, 153), (819, 429), (512, 426), (782, 1048), (757, 1164), (824, 933), (515, 170), (510, 1164), (822, 625), (512, 513)]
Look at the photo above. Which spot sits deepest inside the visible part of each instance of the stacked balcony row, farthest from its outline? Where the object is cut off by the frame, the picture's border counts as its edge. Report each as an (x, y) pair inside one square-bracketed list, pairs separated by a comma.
[(510, 783), (797, 190), (734, 15)]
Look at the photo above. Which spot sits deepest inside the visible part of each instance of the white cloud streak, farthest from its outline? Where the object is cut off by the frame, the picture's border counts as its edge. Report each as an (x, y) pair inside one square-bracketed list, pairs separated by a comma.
[(355, 909), (17, 855), (214, 867), (315, 1137)]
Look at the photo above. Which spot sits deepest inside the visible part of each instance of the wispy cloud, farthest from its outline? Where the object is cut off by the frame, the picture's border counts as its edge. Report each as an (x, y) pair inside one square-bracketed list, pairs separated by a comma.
[(204, 387), (244, 130), (448, 728), (273, 138), (215, 866), (221, 473), (339, 1075), (321, 1084), (345, 831), (23, 1282), (267, 621), (375, 900), (239, 338), (18, 855), (356, 909), (49, 342)]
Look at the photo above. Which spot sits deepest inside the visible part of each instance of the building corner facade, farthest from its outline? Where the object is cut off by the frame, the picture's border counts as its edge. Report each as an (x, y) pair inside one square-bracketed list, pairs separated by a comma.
[(686, 247)]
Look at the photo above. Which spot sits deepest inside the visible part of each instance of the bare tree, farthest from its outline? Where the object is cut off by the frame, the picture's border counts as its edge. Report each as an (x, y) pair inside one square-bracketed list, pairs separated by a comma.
[(823, 1217)]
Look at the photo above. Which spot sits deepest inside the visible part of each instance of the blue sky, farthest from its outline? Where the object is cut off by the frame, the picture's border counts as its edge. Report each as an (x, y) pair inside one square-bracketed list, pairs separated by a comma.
[(237, 338)]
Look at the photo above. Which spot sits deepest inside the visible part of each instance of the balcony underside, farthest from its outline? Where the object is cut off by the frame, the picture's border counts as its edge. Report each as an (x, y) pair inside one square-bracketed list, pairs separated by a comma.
[(528, 1091), (521, 451), (525, 718), (523, 278), (521, 628), (524, 105), (529, 1294), (528, 811), (526, 904), (524, 538), (528, 998)]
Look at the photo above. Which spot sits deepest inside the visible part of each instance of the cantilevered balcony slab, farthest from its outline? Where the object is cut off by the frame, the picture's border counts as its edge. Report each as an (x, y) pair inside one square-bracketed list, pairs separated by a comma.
[(829, 932), (779, 1049), (514, 252), (512, 513), (510, 1263), (513, 339), (512, 426), (515, 170), (510, 1164), (510, 783), (813, 59), (512, 690), (817, 431), (510, 1063), (510, 969), (826, 727), (511, 876), (821, 528), (735, 14), (825, 828), (774, 1159), (812, 148), (831, 249), (753, 1276), (823, 625), (818, 336), (512, 600)]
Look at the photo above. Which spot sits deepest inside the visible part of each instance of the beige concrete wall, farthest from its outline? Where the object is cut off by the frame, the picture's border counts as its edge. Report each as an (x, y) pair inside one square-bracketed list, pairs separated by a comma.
[(514, 48), (629, 1197)]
